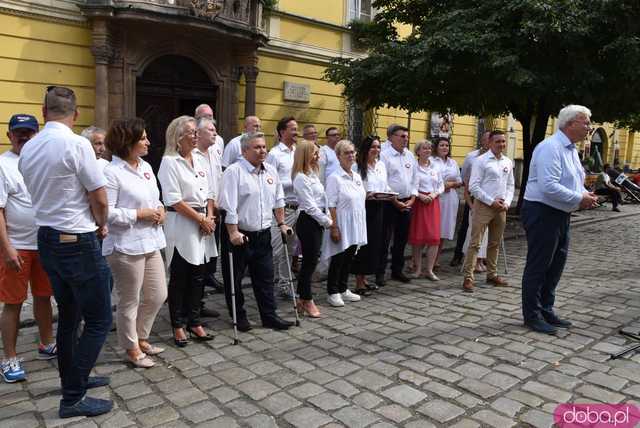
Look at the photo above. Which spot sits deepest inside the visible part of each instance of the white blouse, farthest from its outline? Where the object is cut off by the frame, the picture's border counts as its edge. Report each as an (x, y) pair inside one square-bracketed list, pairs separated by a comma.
[(449, 169), (428, 179), (376, 177), (311, 197), (127, 190), (182, 182), (346, 193)]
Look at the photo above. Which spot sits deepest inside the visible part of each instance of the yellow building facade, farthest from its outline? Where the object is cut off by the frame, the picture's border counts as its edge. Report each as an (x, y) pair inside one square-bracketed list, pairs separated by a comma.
[(281, 56)]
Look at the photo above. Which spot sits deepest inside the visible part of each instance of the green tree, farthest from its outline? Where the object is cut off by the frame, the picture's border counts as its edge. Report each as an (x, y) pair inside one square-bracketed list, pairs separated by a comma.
[(493, 57)]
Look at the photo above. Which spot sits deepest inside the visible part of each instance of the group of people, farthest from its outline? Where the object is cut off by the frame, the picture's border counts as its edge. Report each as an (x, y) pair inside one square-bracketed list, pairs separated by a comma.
[(73, 225)]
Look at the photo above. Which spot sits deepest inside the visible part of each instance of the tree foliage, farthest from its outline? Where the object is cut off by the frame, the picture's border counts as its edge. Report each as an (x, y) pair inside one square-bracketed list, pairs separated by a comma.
[(491, 57)]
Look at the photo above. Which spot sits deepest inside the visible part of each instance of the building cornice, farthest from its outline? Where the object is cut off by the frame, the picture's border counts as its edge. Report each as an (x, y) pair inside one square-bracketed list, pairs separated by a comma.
[(311, 21), (65, 12), (307, 53)]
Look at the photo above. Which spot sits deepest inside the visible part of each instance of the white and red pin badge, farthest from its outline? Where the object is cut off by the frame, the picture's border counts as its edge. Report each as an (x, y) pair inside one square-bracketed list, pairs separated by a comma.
[(358, 183), (506, 169), (147, 176), (201, 173), (408, 165), (269, 180)]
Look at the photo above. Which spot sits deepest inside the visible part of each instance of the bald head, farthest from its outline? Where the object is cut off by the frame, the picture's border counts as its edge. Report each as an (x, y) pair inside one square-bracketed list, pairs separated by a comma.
[(252, 124), (204, 111)]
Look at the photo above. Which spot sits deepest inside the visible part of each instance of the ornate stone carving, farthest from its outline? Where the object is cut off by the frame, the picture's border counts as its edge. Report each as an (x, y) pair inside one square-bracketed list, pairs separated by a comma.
[(207, 8)]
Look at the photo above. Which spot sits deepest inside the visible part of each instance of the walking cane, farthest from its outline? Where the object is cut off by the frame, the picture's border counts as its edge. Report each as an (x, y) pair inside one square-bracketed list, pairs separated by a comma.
[(233, 296), (293, 292), (504, 253)]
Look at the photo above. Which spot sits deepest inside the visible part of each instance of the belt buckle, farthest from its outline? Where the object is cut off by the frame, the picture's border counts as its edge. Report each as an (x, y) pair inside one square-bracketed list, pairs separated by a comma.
[(65, 239)]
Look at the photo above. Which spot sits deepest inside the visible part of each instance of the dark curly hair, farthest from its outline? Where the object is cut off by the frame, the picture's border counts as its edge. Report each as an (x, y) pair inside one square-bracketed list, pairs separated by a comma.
[(123, 135)]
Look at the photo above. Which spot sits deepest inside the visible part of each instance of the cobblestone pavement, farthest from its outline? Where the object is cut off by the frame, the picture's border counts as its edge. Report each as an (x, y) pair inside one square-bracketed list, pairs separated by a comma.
[(413, 355)]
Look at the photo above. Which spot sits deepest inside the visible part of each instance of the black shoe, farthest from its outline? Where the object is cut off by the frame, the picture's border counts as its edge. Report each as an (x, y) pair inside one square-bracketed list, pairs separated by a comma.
[(181, 343), (277, 323), (380, 282), (455, 261), (616, 209), (207, 337), (208, 313), (362, 292), (372, 287), (556, 322), (86, 407), (244, 325), (97, 381), (541, 326), (212, 282), (399, 276)]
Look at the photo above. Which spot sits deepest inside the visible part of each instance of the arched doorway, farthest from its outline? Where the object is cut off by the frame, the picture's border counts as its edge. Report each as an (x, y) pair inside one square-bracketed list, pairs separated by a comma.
[(170, 86)]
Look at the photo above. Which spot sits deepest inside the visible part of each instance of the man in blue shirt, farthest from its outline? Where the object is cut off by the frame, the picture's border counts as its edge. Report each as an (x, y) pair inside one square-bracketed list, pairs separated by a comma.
[(555, 188)]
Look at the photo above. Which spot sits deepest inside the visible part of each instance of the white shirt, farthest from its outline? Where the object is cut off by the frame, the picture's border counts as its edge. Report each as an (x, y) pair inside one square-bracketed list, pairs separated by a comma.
[(311, 197), (102, 164), (428, 179), (376, 177), (232, 152), (347, 195), (250, 194), (449, 169), (468, 164), (328, 163), (385, 145), (556, 176), (182, 182), (127, 190), (213, 170), (492, 178), (281, 157), (401, 169), (59, 168), (16, 201)]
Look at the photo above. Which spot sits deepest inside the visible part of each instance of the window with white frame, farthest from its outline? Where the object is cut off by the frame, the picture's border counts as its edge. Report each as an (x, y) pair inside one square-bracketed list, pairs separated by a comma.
[(360, 10)]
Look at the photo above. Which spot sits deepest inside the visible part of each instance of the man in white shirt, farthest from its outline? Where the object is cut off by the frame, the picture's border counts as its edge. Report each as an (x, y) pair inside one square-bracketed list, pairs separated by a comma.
[(387, 143), (328, 161), (281, 158), (96, 137), (252, 194), (232, 151), (492, 185), (21, 265), (70, 203), (208, 152), (205, 111), (458, 255), (310, 133), (401, 167)]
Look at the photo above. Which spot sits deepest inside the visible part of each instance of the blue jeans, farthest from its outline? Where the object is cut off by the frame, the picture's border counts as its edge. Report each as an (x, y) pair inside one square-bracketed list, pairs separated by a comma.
[(80, 278), (547, 232)]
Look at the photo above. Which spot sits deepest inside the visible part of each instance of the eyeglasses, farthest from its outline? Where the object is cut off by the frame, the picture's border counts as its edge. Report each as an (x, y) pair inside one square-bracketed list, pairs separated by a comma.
[(190, 133), (332, 135)]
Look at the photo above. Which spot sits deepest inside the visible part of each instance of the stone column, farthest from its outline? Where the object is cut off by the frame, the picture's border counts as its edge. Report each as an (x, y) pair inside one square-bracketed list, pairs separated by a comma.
[(102, 50), (250, 77)]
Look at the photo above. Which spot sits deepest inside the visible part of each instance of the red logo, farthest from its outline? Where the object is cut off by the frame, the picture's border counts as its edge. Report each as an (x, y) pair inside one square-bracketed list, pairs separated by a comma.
[(147, 176), (201, 173), (269, 180)]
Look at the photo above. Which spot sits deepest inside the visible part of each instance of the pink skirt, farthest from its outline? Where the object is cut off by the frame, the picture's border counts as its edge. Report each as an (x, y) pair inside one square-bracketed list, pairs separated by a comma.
[(424, 228)]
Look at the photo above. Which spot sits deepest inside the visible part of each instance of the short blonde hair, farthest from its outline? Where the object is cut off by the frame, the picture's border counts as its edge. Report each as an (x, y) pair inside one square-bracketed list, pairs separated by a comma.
[(302, 158), (342, 146), (420, 144), (175, 130)]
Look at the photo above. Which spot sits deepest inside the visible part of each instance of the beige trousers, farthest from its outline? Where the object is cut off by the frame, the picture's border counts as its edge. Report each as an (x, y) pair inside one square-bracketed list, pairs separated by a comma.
[(141, 284), (484, 216)]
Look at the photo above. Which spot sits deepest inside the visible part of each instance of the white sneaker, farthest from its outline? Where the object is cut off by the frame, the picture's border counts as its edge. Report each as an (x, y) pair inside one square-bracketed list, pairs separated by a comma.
[(335, 300), (348, 296)]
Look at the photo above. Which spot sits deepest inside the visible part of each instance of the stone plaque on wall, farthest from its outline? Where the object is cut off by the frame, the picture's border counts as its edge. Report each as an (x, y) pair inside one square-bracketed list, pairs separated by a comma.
[(297, 92)]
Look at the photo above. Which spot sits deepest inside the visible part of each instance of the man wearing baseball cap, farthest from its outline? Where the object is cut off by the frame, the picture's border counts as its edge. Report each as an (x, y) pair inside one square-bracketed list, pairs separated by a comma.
[(20, 263)]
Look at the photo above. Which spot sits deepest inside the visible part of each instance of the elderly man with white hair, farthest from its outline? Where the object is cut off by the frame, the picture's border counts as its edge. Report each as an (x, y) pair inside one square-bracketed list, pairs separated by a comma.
[(96, 137), (555, 188)]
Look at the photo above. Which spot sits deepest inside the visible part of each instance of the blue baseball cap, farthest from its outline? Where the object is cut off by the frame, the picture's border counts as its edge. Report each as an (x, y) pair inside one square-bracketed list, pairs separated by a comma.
[(23, 121)]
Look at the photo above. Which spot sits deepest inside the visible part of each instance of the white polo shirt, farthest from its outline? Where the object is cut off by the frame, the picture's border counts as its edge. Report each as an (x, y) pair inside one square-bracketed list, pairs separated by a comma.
[(328, 163), (59, 168), (102, 164), (127, 190), (376, 177), (250, 194), (232, 152), (492, 178), (428, 178), (401, 169), (281, 157), (16, 201)]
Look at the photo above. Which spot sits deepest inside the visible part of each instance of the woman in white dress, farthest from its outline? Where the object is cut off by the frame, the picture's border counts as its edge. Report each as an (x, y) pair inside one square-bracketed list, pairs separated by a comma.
[(345, 199), (449, 200), (188, 192)]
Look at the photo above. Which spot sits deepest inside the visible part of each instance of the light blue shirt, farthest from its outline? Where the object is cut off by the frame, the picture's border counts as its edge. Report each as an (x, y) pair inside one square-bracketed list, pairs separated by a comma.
[(556, 176)]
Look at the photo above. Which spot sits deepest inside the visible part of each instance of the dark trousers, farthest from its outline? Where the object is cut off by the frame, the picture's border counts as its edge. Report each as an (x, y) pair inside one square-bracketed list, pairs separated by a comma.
[(462, 233), (310, 235), (80, 278), (339, 271), (547, 232), (368, 259), (257, 256), (186, 288), (396, 224), (613, 194)]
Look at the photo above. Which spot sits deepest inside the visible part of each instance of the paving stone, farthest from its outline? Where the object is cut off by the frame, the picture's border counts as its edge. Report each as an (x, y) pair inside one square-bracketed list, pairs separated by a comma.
[(412, 377), (606, 380), (201, 412), (404, 395), (186, 397), (538, 419), (157, 416), (306, 390), (441, 411), (501, 380), (26, 420), (441, 389), (366, 400), (328, 401), (471, 370), (466, 423), (445, 375), (420, 423), (493, 419), (242, 408), (394, 412), (482, 389), (257, 389), (368, 379), (547, 392), (224, 394), (525, 398), (117, 419), (342, 387), (221, 422), (306, 417), (507, 406), (130, 391), (145, 402), (559, 380), (235, 376), (355, 417), (599, 394), (279, 403), (261, 421)]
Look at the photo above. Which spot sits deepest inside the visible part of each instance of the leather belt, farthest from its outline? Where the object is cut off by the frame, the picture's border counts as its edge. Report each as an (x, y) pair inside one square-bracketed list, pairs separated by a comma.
[(201, 210)]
